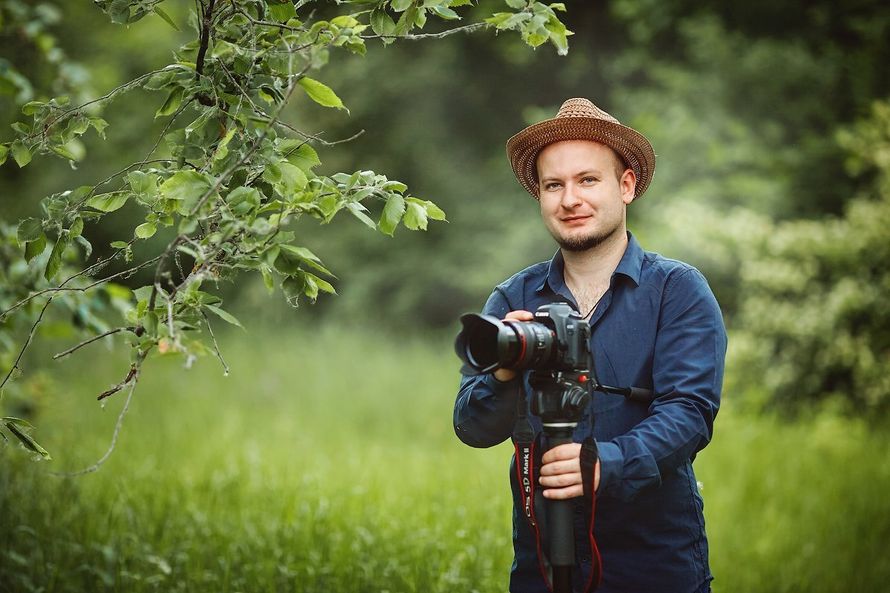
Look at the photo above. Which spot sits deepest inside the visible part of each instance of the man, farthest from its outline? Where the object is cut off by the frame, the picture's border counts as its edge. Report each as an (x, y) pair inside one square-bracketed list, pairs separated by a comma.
[(655, 325)]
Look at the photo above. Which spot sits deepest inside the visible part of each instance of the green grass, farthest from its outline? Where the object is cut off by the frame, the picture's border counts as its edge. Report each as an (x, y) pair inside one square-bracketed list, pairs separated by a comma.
[(326, 462)]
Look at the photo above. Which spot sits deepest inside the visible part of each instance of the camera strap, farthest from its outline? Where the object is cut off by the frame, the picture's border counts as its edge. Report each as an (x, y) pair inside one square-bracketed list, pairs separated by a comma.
[(528, 451)]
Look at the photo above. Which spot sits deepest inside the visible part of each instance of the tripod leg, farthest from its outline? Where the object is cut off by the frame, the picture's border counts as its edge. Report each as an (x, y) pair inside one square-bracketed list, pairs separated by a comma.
[(560, 525)]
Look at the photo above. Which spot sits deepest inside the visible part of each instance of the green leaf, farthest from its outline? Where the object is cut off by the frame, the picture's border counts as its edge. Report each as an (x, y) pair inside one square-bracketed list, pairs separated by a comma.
[(293, 290), (161, 13), (303, 156), (142, 183), (558, 34), (432, 211), (401, 5), (119, 11), (222, 49), (87, 246), (304, 255), (224, 315), (358, 211), (310, 286), (108, 202), (4, 150), (517, 4), (35, 248), (392, 214), (64, 152), (99, 125), (21, 154), (55, 258), (321, 93), (268, 279), (415, 217), (292, 178), (79, 124), (27, 441), (445, 13), (242, 199), (32, 107), (322, 284), (119, 244), (186, 185), (508, 20), (174, 100), (282, 10), (76, 228), (146, 230), (382, 23), (29, 230), (18, 422)]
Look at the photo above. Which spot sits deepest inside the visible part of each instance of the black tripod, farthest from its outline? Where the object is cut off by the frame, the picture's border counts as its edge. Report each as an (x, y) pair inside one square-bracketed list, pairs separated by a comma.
[(560, 398)]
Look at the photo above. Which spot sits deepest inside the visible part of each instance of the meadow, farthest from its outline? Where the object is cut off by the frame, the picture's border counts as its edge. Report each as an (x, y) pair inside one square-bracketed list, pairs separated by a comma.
[(326, 462)]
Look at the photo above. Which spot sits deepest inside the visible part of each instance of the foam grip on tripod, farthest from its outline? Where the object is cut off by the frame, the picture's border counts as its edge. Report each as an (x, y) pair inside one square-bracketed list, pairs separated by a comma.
[(561, 527), (638, 394)]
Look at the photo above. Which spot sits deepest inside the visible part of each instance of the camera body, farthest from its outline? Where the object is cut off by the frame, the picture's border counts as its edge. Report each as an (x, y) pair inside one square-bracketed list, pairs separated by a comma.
[(572, 334), (557, 340)]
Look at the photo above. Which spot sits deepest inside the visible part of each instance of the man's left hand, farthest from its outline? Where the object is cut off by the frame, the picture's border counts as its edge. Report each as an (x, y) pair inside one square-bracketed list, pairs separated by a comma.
[(561, 472)]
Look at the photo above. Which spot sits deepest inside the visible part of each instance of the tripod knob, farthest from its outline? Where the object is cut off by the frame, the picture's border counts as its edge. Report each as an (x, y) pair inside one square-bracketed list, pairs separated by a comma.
[(574, 400)]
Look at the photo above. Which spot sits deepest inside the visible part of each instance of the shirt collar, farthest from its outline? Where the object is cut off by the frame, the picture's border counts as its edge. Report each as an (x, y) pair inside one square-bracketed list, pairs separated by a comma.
[(631, 266)]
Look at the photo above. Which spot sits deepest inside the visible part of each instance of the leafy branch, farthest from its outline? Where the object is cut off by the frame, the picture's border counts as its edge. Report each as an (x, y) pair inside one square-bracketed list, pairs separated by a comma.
[(233, 176)]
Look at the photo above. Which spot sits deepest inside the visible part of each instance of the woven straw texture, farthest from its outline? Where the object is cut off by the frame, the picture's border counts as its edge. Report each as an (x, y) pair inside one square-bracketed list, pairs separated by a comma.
[(579, 119)]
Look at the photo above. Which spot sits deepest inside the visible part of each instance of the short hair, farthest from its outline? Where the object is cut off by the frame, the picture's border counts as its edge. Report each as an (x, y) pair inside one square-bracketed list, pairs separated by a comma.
[(620, 164)]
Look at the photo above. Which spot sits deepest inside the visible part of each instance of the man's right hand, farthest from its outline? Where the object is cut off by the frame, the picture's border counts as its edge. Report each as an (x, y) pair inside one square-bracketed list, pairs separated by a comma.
[(505, 375)]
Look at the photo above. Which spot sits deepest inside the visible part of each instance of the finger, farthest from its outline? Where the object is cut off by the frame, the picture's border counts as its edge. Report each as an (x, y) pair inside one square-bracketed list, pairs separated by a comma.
[(564, 493), (560, 481), (561, 452), (567, 466), (520, 315)]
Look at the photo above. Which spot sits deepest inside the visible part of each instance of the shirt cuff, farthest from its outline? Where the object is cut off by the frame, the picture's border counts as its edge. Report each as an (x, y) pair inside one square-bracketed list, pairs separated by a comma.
[(611, 465)]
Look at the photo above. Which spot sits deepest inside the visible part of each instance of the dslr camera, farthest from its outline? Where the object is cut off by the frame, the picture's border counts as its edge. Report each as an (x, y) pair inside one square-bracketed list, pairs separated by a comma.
[(557, 340)]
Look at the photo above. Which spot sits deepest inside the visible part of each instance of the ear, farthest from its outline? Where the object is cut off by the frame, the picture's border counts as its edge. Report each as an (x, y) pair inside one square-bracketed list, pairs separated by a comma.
[(628, 185)]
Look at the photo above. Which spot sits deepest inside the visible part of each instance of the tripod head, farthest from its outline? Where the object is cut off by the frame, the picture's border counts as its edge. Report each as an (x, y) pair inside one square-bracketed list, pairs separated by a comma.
[(559, 398)]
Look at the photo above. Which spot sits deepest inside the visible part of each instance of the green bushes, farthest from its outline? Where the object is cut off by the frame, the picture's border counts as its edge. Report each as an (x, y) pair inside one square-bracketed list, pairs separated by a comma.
[(814, 318)]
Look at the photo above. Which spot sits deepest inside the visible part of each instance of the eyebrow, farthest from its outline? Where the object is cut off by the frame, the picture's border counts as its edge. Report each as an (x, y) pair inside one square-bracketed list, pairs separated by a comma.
[(581, 174)]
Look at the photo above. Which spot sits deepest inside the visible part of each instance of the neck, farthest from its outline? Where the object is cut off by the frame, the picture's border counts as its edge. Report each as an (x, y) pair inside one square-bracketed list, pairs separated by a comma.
[(594, 267)]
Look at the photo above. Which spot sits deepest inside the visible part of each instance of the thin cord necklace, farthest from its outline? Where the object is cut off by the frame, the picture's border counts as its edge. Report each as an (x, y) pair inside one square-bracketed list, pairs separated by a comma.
[(593, 308)]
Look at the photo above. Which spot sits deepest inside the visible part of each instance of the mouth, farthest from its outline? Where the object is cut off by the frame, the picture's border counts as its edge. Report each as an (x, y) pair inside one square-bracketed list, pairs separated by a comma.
[(575, 219)]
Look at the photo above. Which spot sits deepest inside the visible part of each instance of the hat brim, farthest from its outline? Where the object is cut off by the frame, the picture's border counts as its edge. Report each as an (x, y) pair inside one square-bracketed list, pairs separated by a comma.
[(634, 148)]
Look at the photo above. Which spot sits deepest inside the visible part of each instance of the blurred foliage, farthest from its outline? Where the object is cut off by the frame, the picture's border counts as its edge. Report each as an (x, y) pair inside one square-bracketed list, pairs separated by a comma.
[(814, 320), (743, 103)]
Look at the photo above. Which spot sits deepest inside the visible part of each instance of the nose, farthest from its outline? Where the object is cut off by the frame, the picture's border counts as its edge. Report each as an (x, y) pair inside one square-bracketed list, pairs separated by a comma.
[(571, 198)]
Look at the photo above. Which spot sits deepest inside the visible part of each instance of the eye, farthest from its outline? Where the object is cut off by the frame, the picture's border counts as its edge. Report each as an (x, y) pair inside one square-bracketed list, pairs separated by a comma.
[(589, 179), (551, 185)]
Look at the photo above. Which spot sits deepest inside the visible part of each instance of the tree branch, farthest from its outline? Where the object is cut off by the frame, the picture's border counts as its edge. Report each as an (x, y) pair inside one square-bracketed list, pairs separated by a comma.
[(18, 359), (206, 25), (94, 338), (117, 427), (416, 37)]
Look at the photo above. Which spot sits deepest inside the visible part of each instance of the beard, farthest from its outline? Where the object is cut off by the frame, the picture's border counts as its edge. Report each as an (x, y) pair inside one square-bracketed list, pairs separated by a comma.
[(585, 242)]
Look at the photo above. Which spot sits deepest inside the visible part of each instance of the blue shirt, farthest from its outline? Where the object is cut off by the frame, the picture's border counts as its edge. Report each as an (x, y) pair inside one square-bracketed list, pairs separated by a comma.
[(658, 327)]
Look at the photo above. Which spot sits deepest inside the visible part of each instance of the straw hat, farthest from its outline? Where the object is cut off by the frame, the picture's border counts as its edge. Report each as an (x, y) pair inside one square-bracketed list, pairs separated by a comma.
[(579, 119)]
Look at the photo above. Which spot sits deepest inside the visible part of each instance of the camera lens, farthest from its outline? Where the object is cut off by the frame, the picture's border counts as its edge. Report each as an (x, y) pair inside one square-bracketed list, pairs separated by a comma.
[(529, 346), (486, 344)]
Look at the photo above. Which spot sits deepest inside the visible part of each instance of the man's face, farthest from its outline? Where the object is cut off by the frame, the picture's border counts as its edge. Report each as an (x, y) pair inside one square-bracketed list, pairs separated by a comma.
[(582, 197)]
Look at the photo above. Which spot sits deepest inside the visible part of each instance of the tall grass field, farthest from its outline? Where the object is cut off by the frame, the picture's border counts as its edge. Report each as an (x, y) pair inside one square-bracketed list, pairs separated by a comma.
[(326, 462)]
